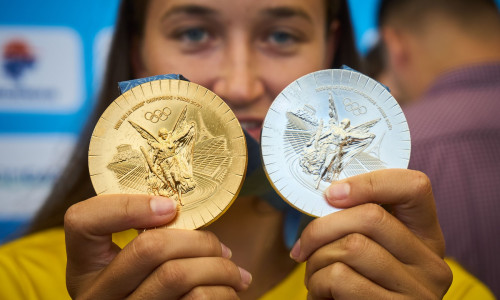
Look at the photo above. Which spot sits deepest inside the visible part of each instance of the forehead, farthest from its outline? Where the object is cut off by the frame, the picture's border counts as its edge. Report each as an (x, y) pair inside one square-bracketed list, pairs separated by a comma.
[(241, 10)]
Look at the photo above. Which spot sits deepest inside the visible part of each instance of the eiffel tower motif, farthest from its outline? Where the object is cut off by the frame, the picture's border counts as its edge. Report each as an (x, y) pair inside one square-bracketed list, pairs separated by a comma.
[(203, 133), (375, 150)]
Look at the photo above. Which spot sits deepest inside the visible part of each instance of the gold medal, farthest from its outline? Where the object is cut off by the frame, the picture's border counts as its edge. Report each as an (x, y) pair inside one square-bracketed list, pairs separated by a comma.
[(171, 138)]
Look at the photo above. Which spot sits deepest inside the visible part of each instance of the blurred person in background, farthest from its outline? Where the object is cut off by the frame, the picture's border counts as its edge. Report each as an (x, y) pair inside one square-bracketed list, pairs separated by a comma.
[(445, 56), (246, 52), (375, 65)]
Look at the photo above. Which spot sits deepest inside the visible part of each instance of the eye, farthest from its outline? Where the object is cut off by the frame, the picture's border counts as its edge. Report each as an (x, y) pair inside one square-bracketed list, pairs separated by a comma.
[(282, 41), (195, 35), (193, 38), (281, 38)]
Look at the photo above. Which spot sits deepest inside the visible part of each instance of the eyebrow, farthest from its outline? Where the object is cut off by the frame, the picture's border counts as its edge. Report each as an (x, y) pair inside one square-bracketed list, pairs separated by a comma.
[(190, 10), (275, 12), (286, 12)]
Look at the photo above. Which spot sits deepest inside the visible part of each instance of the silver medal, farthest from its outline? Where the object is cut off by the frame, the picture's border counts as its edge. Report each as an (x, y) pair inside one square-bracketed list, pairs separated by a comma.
[(326, 126)]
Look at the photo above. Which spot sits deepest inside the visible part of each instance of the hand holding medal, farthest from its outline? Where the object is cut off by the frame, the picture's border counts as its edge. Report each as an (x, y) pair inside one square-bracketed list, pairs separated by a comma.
[(321, 130), (171, 138), (327, 126)]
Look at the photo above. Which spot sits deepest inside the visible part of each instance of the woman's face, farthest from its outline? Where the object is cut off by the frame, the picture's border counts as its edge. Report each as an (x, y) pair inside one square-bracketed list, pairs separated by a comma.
[(245, 51)]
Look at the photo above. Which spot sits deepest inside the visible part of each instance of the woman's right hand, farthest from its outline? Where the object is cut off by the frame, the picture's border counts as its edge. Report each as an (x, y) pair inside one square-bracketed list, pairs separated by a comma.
[(158, 264)]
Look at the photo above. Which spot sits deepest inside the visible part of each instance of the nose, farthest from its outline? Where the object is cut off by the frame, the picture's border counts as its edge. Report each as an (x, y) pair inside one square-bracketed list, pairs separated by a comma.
[(239, 81)]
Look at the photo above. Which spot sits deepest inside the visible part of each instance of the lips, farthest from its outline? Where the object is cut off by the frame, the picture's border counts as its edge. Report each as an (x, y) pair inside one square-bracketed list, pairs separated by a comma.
[(253, 127), (250, 124)]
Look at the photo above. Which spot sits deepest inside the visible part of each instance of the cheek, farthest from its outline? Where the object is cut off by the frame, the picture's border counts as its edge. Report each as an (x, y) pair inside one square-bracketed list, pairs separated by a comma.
[(199, 69), (158, 59), (281, 72)]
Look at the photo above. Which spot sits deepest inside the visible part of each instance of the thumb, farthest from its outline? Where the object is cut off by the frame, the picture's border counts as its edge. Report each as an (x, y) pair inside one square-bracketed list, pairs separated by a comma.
[(89, 224), (406, 193)]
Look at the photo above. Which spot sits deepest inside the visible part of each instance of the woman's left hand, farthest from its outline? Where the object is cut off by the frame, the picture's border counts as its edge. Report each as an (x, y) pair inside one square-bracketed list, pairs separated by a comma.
[(365, 252)]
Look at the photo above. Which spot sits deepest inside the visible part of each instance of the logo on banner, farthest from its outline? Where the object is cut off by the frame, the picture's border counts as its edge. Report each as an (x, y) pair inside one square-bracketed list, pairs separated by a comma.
[(41, 70), (29, 166), (18, 58)]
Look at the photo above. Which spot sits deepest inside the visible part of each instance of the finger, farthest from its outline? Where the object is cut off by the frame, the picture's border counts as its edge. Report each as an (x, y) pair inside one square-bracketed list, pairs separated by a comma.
[(211, 292), (365, 257), (370, 220), (409, 193), (177, 277), (89, 224), (339, 281), (148, 251)]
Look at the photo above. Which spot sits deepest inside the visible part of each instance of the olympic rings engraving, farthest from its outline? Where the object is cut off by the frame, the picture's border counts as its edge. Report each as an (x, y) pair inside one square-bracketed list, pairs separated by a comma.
[(354, 107), (158, 115)]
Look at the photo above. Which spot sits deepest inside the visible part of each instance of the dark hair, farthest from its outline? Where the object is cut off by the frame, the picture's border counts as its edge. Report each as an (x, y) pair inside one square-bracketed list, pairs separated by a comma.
[(412, 12), (74, 184)]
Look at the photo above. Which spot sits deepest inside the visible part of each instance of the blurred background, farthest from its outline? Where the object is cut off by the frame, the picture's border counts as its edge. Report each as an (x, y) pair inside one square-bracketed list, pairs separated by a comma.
[(52, 55)]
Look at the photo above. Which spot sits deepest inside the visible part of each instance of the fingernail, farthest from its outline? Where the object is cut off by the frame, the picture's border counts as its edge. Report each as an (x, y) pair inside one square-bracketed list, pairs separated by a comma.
[(294, 254), (338, 192), (226, 252), (246, 277), (162, 206)]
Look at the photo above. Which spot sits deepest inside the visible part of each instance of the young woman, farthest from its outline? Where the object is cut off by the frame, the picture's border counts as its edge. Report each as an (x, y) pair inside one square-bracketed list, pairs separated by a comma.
[(245, 51)]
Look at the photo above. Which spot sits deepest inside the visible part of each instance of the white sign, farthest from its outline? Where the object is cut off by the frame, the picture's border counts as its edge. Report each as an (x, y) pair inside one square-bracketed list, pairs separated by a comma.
[(41, 70), (29, 165)]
